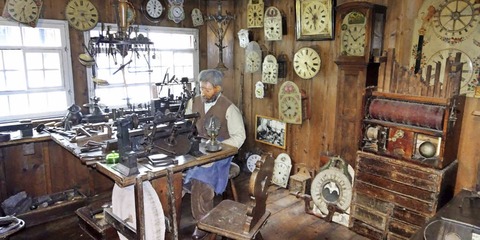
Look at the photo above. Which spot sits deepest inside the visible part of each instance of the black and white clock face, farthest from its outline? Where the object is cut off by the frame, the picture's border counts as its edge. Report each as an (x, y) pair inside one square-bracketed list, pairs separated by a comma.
[(270, 73), (314, 18), (154, 9), (449, 54), (456, 19), (255, 15), (306, 63), (273, 30), (253, 61)]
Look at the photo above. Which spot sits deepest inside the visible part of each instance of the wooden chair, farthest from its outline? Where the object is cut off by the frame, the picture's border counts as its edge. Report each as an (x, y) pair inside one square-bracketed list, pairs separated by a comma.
[(243, 221)]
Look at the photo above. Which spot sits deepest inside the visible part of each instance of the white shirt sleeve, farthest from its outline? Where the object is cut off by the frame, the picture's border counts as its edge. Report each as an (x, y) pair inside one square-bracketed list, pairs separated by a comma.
[(236, 128), (188, 108)]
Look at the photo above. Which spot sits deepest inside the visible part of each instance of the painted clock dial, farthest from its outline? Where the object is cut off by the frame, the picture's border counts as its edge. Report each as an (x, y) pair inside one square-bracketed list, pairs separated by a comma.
[(252, 160), (315, 18), (23, 11), (353, 34), (455, 19), (255, 10), (273, 24), (253, 57), (270, 70), (290, 103), (306, 63), (281, 170)]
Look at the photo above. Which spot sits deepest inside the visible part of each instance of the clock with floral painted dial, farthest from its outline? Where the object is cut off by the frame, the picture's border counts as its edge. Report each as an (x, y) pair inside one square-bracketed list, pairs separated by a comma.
[(290, 103), (306, 63), (281, 170), (255, 10), (197, 17)]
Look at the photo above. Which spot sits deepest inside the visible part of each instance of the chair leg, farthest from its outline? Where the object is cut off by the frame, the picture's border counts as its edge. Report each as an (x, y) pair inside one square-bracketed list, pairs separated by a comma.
[(234, 190)]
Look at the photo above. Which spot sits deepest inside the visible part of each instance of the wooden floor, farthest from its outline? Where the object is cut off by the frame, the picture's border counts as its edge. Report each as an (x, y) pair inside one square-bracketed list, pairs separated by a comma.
[(287, 221)]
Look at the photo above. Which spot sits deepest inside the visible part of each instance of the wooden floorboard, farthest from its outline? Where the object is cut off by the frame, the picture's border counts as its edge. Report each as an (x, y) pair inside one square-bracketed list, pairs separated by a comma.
[(288, 220)]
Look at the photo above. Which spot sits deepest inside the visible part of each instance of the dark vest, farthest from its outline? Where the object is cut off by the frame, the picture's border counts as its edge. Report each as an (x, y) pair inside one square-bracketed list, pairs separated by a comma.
[(218, 110)]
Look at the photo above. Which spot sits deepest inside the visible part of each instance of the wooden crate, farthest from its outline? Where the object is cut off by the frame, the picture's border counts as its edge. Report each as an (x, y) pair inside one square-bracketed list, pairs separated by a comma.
[(392, 198)]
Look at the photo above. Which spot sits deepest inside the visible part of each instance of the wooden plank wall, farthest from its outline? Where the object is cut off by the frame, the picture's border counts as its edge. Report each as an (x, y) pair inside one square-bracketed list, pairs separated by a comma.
[(305, 142)]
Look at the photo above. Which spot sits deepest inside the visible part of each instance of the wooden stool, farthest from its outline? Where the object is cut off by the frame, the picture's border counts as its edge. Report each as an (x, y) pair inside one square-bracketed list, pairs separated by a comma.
[(234, 172), (243, 221)]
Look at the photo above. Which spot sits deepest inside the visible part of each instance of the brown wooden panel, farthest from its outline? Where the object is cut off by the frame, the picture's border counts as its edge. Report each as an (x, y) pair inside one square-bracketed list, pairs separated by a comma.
[(372, 203), (366, 230), (370, 217), (400, 171), (390, 196), (402, 228), (408, 216), (392, 236), (397, 187)]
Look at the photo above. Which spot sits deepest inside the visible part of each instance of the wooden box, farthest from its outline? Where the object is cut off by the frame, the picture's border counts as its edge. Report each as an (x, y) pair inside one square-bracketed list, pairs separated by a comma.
[(92, 222), (392, 198)]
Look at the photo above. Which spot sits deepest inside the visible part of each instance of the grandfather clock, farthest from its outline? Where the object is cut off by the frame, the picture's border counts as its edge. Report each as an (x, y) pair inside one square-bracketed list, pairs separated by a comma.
[(359, 31)]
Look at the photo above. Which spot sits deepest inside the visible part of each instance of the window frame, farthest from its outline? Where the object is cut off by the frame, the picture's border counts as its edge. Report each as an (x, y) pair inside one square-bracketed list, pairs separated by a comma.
[(65, 67)]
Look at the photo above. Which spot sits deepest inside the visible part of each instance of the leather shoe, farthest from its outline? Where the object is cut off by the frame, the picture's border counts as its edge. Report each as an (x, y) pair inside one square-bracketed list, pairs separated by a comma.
[(198, 234)]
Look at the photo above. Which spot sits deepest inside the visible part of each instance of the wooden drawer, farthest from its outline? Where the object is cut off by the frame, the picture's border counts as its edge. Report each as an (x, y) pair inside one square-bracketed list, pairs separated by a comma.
[(366, 230), (402, 228)]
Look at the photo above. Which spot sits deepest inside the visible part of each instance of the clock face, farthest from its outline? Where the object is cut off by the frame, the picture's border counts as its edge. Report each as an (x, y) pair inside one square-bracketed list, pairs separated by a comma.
[(455, 19), (253, 61), (353, 34), (306, 63), (251, 161), (467, 71), (281, 174), (331, 186), (273, 30), (197, 17), (153, 9), (259, 90), (290, 109), (315, 18), (176, 13), (243, 38), (270, 73), (23, 11), (255, 15), (81, 14)]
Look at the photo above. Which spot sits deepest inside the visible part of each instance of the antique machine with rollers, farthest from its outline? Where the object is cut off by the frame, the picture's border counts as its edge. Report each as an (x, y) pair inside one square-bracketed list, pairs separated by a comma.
[(406, 167)]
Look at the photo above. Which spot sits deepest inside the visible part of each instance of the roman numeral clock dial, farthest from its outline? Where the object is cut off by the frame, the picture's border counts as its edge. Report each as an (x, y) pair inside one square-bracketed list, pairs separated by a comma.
[(81, 14), (306, 63), (255, 13), (23, 11)]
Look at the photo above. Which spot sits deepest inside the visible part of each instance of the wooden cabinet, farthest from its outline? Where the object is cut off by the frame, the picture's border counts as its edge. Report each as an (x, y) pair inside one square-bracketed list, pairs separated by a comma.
[(392, 198)]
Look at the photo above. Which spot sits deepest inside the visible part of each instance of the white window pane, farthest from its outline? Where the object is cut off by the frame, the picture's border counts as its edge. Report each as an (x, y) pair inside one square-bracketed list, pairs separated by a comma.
[(57, 101), (13, 60), (42, 37), (139, 94), (19, 104), (53, 78), (4, 107), (38, 102), (51, 61), (34, 60), (15, 80), (112, 96), (36, 79), (9, 36)]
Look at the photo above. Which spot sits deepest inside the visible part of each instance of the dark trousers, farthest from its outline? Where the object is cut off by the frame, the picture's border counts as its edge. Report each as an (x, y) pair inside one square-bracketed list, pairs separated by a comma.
[(202, 196)]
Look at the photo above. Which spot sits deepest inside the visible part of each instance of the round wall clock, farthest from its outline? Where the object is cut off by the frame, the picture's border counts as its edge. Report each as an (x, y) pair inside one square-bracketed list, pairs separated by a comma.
[(306, 63), (290, 103), (273, 24), (332, 185), (197, 17), (270, 70), (255, 14), (23, 11), (281, 170), (152, 10), (253, 57), (455, 20), (251, 161), (81, 14)]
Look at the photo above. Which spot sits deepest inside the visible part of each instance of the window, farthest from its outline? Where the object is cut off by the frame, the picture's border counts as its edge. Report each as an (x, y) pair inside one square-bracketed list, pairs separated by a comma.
[(35, 70), (172, 56)]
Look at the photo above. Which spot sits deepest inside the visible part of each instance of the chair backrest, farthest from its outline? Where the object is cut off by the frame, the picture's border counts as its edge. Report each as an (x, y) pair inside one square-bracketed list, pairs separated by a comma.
[(258, 191)]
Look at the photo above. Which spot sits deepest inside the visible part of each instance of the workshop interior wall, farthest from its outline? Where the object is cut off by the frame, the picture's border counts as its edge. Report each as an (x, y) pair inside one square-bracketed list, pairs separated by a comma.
[(307, 142)]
